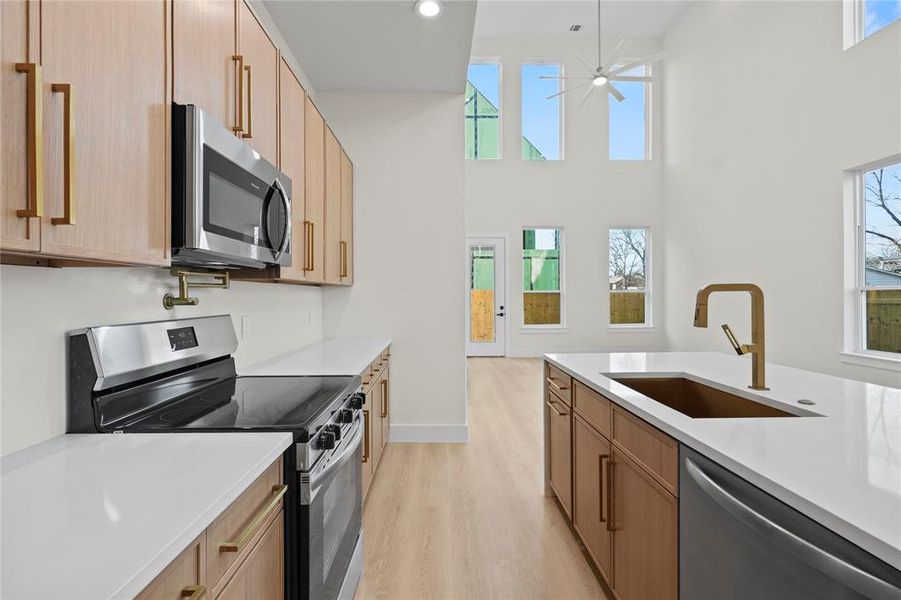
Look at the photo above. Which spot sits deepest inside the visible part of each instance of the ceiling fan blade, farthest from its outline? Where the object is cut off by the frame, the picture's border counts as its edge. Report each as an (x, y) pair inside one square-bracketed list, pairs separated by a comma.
[(584, 62), (586, 96), (637, 63), (569, 89), (615, 92), (566, 77), (617, 52), (632, 78)]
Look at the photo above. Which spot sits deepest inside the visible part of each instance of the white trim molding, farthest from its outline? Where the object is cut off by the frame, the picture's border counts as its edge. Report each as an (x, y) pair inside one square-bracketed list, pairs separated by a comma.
[(429, 433)]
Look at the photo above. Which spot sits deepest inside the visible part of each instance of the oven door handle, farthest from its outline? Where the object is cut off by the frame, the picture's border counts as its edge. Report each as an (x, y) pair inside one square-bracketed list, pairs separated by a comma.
[(311, 488), (286, 234)]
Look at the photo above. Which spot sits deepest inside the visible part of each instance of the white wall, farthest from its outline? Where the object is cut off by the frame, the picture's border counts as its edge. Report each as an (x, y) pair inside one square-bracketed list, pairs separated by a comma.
[(764, 111), (407, 151), (585, 194), (39, 305)]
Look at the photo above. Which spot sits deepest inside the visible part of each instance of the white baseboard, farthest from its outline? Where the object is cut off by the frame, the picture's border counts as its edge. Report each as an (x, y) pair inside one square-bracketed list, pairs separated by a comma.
[(429, 433)]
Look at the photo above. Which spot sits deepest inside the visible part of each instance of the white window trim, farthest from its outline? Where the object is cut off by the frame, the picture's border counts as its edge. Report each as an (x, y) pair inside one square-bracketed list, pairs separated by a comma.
[(854, 349), (854, 20), (560, 113), (648, 325), (552, 328), (500, 104), (648, 121)]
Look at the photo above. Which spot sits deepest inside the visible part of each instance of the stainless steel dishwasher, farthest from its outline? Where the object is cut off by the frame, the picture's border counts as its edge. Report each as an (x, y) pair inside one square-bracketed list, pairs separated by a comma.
[(738, 542)]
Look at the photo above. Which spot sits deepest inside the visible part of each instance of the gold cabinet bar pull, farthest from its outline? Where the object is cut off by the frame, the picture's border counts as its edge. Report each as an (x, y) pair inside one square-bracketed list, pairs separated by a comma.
[(194, 592), (365, 436), (34, 123), (249, 133), (239, 119), (68, 217), (312, 246), (609, 495), (601, 501), (277, 492), (553, 407), (343, 248), (307, 246), (384, 398), (559, 387)]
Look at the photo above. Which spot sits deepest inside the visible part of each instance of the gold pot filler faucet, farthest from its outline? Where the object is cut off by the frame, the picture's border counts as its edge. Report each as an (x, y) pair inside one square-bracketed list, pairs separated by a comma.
[(756, 347)]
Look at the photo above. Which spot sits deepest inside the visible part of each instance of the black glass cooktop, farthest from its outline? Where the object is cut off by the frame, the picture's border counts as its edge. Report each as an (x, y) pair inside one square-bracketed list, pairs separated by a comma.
[(223, 404)]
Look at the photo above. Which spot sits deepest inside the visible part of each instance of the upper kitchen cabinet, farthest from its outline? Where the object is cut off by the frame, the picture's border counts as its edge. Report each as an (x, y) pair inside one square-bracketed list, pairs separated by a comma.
[(86, 177), (291, 163), (314, 201), (205, 59), (258, 85), (333, 252), (346, 244)]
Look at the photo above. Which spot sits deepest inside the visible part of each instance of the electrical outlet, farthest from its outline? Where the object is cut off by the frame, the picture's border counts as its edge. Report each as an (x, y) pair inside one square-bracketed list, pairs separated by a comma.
[(245, 326)]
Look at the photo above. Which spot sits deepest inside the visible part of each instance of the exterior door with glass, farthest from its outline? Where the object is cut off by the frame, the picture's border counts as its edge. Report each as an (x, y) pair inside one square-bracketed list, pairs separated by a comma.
[(486, 332)]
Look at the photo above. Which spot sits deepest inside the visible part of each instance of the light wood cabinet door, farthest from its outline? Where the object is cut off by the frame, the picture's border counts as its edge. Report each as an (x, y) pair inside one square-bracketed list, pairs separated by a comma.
[(559, 418), (20, 177), (314, 181), (204, 43), (347, 220), (106, 136), (332, 208), (645, 521), (262, 575), (291, 163), (591, 504), (385, 395), (260, 89), (184, 576)]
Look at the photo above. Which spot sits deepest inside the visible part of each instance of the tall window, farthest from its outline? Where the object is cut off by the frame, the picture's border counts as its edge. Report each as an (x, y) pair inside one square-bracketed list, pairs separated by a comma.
[(540, 115), (482, 112), (629, 119), (541, 277), (630, 298), (863, 18), (879, 262)]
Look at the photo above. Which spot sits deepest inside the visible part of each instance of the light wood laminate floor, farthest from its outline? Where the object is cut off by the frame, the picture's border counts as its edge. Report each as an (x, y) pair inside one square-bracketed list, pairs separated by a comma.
[(470, 520)]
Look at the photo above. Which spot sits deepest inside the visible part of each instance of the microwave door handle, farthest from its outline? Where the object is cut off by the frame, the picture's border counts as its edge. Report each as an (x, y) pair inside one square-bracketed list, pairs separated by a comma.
[(286, 234), (818, 558)]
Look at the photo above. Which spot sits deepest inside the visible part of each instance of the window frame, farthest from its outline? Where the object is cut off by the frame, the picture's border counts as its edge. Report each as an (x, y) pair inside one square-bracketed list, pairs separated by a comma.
[(560, 113), (648, 119), (854, 23), (855, 349), (500, 104), (547, 327), (648, 324)]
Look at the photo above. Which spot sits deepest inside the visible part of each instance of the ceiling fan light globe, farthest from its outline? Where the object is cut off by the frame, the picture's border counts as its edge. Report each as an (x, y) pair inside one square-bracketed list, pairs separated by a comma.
[(428, 9), (599, 81)]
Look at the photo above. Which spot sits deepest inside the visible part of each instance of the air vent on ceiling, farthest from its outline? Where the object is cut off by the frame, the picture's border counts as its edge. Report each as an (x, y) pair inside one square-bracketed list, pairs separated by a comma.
[(575, 28)]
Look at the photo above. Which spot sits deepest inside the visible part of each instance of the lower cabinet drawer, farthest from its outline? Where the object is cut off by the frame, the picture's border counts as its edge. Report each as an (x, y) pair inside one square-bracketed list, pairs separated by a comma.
[(655, 451), (232, 535), (593, 407), (262, 575), (183, 578)]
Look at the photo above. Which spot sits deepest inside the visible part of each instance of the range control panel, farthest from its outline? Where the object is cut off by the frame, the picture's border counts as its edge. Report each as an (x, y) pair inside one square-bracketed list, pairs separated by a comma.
[(182, 338)]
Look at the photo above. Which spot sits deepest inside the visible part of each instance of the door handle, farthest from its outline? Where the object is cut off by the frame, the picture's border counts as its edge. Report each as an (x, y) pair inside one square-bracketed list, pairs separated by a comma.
[(601, 496), (239, 121), (68, 217), (34, 123), (286, 233), (249, 133), (500, 314), (609, 495)]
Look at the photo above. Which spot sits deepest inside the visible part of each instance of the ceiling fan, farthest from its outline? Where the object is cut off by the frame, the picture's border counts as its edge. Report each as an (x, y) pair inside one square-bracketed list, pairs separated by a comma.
[(604, 74)]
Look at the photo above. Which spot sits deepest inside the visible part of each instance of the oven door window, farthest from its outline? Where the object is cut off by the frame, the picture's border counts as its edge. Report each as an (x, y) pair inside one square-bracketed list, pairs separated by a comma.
[(240, 206), (334, 519)]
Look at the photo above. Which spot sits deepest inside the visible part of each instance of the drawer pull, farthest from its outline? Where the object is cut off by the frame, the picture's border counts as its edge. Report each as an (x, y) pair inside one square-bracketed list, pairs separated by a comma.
[(559, 387), (68, 217), (194, 592), (35, 141), (277, 492), (553, 406)]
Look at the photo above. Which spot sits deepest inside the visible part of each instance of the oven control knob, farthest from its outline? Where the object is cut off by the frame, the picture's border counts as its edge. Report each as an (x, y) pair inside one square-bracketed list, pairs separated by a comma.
[(327, 440), (356, 402), (345, 415), (334, 430)]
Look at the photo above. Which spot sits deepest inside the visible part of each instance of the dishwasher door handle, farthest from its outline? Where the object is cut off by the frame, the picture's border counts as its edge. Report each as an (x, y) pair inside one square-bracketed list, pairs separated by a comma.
[(832, 566)]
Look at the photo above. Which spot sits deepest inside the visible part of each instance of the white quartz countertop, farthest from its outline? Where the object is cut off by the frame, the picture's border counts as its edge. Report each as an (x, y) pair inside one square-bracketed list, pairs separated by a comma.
[(98, 516), (328, 357), (842, 469)]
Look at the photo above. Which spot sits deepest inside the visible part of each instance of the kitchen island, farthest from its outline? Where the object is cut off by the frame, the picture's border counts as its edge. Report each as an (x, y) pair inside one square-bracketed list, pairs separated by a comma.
[(838, 461)]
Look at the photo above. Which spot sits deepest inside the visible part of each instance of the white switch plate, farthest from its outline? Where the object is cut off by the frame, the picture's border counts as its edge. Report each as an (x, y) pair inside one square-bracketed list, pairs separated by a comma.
[(245, 326)]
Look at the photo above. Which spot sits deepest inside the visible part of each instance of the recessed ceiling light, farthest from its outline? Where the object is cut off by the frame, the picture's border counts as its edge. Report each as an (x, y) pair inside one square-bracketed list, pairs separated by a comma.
[(428, 9)]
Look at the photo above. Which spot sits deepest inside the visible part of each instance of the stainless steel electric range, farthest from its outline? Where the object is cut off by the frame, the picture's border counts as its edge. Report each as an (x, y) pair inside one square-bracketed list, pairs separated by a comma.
[(177, 376)]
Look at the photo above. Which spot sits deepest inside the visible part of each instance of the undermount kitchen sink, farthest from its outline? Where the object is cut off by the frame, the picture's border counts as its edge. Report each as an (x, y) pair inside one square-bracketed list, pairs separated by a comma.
[(700, 401)]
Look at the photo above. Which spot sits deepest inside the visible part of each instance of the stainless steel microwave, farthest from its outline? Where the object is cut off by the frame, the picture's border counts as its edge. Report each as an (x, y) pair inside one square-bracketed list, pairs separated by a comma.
[(230, 206)]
